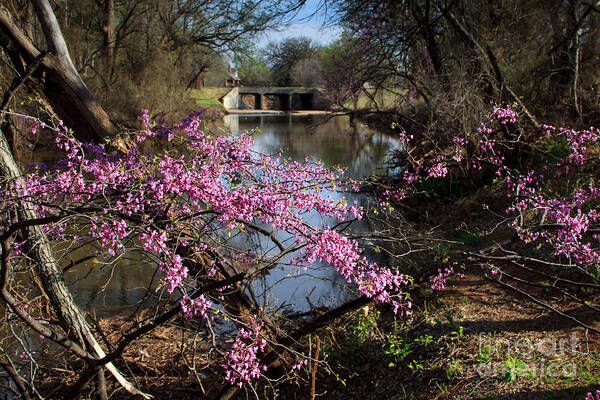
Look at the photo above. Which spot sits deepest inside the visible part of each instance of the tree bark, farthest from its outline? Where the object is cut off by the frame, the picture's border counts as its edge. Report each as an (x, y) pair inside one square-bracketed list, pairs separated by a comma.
[(56, 78), (48, 271)]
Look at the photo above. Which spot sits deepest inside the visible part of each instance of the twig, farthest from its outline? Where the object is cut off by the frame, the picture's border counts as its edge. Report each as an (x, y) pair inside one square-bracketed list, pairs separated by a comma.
[(313, 377), (19, 80), (101, 385), (17, 379)]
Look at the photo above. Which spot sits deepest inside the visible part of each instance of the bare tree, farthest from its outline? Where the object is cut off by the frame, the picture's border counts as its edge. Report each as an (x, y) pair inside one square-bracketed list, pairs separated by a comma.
[(56, 79)]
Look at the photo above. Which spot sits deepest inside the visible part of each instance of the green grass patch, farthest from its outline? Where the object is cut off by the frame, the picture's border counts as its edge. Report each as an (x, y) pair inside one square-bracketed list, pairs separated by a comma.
[(209, 96), (557, 147)]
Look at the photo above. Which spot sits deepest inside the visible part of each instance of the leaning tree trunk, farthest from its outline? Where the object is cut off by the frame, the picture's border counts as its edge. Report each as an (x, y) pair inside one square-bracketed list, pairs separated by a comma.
[(57, 79), (49, 273)]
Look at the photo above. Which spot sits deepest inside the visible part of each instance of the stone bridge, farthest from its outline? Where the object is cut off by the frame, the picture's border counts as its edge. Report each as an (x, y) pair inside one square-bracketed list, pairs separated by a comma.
[(274, 98)]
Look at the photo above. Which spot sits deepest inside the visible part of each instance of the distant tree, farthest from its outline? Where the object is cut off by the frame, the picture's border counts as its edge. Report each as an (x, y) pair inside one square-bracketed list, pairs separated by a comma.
[(126, 50), (252, 67), (460, 55), (283, 57), (307, 72), (52, 73), (343, 66)]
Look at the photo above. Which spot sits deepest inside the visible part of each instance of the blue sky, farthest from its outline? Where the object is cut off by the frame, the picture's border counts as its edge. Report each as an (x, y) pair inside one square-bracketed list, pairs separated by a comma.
[(308, 22)]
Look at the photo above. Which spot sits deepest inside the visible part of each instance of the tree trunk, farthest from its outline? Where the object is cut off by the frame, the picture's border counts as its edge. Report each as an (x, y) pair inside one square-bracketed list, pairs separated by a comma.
[(29, 22), (56, 78), (48, 271)]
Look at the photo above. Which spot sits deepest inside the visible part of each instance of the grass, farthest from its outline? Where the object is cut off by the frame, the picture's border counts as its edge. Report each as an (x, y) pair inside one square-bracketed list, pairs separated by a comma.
[(209, 96)]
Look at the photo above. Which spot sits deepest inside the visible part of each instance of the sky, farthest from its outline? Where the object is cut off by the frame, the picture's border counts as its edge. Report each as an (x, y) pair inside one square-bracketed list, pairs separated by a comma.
[(308, 22)]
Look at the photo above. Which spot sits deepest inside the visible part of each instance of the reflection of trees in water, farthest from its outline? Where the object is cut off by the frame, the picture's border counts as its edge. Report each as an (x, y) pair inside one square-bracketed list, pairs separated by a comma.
[(298, 290), (105, 286), (334, 140)]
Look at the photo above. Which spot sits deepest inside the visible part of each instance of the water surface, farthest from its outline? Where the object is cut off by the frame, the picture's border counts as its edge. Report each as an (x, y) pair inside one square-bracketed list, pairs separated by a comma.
[(336, 141)]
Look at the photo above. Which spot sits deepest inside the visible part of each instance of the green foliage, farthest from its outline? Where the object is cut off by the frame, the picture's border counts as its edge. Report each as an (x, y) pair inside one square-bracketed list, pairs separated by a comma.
[(209, 96), (456, 329), (416, 366), (252, 68), (366, 324), (557, 147), (454, 369), (424, 340), (458, 332), (470, 239), (363, 327), (515, 368), (484, 355), (398, 347)]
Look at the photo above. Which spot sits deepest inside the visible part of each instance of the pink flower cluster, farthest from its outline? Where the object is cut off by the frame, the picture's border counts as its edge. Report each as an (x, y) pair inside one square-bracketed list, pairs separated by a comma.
[(195, 193), (438, 282), (381, 284), (591, 396), (241, 362), (564, 222), (200, 305), (438, 170), (300, 363), (504, 115)]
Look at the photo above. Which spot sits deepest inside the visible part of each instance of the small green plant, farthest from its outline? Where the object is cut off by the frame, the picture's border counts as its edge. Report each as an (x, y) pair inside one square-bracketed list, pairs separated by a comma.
[(366, 324), (443, 388), (547, 286), (425, 340), (454, 369), (515, 368), (484, 355), (415, 366), (458, 332), (398, 347), (456, 329)]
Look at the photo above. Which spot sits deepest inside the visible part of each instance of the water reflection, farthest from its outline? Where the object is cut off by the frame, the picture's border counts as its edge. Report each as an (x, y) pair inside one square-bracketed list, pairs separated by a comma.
[(336, 141)]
